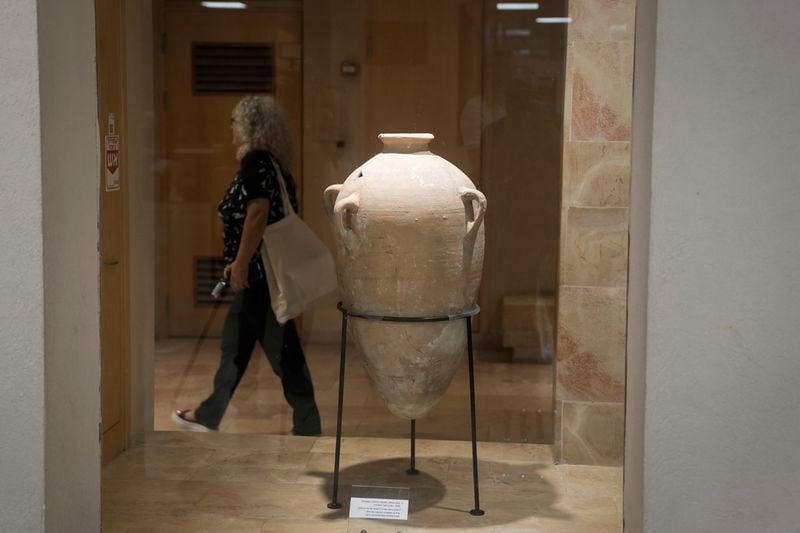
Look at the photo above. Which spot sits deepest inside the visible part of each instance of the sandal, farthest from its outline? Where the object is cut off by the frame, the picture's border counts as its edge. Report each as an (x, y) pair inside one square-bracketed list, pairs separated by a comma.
[(179, 417)]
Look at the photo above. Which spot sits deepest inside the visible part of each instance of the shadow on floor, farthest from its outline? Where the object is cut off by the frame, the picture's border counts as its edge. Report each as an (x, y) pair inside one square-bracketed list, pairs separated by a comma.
[(442, 492)]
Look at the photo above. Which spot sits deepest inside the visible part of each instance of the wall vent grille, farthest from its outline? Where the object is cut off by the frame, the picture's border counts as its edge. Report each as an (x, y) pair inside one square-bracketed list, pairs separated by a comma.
[(233, 68)]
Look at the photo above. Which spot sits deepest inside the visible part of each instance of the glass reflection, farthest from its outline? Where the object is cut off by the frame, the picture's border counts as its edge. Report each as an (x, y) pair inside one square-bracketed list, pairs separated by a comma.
[(486, 78)]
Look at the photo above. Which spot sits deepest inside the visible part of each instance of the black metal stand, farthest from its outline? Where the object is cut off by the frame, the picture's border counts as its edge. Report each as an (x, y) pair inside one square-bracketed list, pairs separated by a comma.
[(346, 314), (413, 470)]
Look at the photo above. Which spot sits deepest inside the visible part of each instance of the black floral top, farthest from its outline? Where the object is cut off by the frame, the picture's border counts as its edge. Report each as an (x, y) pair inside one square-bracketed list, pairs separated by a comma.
[(256, 178)]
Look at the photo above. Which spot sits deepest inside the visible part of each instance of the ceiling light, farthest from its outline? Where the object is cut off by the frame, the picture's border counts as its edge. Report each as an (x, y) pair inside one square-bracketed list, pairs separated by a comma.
[(517, 6), (553, 20), (225, 5)]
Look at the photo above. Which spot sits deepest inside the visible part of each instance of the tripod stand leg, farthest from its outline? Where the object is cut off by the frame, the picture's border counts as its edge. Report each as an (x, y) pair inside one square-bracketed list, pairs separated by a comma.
[(477, 511), (413, 470), (335, 503)]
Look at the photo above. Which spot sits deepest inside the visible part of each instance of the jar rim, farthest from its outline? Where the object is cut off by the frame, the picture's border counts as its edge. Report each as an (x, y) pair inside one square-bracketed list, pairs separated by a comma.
[(405, 142)]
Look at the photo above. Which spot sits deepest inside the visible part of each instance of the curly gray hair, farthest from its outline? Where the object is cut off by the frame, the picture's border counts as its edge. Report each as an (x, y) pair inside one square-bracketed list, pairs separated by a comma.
[(262, 124)]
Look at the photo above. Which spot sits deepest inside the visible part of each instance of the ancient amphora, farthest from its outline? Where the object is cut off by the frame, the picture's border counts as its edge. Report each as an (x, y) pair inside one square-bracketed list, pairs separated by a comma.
[(410, 241)]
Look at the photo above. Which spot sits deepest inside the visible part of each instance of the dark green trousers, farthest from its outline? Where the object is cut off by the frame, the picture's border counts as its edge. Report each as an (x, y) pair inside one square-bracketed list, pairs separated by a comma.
[(251, 319)]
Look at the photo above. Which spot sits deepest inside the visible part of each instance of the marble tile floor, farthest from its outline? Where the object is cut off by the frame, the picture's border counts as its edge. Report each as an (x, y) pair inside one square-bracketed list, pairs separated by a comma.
[(514, 400), (217, 482)]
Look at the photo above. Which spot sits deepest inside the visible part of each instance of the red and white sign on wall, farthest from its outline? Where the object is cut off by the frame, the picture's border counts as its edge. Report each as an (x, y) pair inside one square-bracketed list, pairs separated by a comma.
[(112, 155)]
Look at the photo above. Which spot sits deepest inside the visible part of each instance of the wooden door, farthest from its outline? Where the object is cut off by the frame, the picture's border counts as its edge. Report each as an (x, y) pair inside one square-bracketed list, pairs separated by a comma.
[(208, 60), (113, 228)]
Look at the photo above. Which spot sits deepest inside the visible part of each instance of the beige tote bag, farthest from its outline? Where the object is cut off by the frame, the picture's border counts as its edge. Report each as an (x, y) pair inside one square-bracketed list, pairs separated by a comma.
[(300, 268)]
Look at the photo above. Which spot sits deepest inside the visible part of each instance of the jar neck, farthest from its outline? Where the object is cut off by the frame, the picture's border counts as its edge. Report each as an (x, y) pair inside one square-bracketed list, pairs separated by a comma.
[(405, 143)]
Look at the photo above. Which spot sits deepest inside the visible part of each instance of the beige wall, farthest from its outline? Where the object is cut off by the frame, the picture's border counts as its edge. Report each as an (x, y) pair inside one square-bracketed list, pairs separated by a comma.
[(140, 171), (592, 299)]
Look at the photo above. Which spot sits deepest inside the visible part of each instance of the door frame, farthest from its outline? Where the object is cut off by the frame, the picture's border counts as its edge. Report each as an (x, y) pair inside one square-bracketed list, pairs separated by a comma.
[(117, 26)]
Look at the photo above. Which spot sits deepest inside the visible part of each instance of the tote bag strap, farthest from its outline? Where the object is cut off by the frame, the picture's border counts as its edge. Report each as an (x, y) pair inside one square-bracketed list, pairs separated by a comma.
[(287, 204)]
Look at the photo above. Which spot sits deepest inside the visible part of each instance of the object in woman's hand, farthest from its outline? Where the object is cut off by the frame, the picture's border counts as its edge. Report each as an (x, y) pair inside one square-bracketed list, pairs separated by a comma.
[(218, 288)]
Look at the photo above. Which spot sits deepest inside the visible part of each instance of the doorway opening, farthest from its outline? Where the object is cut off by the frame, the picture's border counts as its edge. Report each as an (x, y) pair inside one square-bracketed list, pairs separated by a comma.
[(531, 104)]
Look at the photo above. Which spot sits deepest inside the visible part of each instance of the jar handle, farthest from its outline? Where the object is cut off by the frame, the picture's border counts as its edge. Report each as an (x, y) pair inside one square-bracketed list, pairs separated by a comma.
[(330, 195), (345, 209), (474, 219)]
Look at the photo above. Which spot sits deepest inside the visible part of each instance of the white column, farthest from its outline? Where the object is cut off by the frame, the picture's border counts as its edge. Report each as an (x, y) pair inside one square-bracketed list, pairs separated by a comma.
[(716, 427), (70, 183), (22, 407), (50, 363)]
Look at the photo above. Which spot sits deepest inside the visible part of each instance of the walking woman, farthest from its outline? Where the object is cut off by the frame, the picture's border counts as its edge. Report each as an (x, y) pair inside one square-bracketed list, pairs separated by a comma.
[(253, 200)]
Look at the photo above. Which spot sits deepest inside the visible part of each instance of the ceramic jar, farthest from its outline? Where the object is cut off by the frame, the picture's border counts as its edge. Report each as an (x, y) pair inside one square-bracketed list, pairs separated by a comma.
[(410, 242)]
